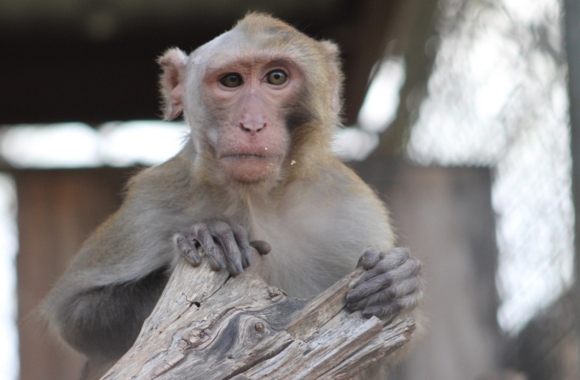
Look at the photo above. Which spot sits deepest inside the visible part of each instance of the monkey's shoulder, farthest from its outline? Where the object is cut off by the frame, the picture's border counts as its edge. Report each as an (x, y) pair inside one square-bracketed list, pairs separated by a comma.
[(169, 184), (336, 193), (338, 181)]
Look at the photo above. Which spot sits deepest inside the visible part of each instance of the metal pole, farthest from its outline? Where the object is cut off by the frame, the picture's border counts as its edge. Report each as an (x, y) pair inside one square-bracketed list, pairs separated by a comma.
[(572, 40)]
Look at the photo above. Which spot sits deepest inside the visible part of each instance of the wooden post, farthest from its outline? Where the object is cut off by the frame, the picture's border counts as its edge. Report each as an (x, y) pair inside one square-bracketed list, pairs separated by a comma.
[(208, 325)]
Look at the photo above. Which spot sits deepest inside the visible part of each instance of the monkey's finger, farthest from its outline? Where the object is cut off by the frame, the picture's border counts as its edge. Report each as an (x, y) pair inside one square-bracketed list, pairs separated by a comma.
[(263, 247), (396, 256), (243, 244), (391, 301), (381, 268), (369, 258), (408, 287), (389, 261), (204, 238), (410, 301), (409, 269), (224, 234), (404, 289), (381, 298), (188, 250), (369, 288), (216, 261), (390, 310), (386, 311)]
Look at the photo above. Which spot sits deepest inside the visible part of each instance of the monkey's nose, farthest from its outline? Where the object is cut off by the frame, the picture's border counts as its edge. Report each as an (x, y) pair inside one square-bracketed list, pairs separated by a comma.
[(252, 127)]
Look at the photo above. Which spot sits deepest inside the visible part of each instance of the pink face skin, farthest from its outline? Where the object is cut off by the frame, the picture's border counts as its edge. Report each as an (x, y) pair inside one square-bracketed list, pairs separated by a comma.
[(247, 98)]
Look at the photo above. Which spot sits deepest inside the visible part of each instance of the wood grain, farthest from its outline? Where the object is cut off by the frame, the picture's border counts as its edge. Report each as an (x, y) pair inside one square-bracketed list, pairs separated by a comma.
[(208, 325)]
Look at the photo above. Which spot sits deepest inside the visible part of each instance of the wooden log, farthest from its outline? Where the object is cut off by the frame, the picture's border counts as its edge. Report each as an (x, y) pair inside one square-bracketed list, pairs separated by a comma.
[(208, 325)]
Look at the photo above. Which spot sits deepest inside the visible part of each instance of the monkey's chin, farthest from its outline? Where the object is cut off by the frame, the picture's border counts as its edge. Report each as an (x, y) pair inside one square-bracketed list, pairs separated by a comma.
[(249, 168)]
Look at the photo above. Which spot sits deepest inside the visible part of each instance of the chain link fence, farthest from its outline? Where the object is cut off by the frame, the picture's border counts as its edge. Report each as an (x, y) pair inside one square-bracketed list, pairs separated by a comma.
[(497, 97)]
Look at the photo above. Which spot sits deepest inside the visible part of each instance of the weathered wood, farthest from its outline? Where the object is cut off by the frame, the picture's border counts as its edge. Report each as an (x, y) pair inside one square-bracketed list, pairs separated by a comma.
[(208, 325)]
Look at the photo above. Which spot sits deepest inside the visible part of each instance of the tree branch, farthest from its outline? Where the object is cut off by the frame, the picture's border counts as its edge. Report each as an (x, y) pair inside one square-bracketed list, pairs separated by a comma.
[(208, 325)]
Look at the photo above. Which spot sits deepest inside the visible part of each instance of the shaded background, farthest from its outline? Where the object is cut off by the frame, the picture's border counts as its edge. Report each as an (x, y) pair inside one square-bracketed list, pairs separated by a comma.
[(457, 113)]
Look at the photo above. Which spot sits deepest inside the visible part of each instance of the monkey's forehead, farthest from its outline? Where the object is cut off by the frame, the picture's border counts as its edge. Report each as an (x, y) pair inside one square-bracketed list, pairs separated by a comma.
[(238, 43), (250, 57)]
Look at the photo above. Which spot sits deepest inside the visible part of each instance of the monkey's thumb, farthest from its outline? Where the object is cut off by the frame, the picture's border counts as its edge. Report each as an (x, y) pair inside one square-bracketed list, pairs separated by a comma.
[(261, 246)]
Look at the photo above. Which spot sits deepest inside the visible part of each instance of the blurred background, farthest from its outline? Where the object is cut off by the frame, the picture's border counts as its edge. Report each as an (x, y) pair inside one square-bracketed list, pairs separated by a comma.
[(462, 114)]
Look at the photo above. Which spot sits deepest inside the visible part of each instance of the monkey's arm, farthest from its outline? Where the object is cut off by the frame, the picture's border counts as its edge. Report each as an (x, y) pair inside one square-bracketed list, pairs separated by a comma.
[(113, 283), (392, 282), (99, 304)]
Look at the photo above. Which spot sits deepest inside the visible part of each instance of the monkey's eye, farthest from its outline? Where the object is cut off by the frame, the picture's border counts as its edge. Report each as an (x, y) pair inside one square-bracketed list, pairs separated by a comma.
[(231, 80), (276, 77)]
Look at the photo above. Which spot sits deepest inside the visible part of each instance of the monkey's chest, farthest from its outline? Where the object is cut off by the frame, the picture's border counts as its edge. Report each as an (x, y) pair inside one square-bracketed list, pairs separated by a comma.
[(307, 256)]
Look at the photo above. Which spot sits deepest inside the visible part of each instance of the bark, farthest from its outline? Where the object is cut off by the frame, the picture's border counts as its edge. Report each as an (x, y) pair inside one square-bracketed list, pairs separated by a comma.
[(208, 325)]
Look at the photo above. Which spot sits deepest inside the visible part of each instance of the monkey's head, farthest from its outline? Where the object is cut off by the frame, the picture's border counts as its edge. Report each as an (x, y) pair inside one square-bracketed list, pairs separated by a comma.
[(255, 97)]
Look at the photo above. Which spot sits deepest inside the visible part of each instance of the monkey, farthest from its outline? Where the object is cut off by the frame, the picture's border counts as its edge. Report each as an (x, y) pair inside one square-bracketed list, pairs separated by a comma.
[(256, 175)]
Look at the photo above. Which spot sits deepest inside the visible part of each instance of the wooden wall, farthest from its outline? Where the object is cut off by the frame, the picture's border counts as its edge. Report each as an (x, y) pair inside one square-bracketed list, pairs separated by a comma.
[(57, 209)]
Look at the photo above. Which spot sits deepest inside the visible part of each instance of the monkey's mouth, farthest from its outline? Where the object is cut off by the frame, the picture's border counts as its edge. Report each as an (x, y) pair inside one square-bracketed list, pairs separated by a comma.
[(250, 166), (246, 155), (250, 156)]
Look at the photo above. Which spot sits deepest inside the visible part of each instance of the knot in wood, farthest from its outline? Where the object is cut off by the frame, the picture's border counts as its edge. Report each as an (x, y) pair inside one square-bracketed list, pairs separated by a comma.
[(259, 327), (274, 291)]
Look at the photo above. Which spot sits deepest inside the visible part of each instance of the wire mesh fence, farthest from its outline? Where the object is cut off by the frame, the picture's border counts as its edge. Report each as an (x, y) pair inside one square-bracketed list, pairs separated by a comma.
[(497, 97)]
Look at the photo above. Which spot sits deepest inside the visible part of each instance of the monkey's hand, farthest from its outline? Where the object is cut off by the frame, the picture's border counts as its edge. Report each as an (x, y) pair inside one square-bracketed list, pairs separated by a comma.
[(390, 285), (225, 245)]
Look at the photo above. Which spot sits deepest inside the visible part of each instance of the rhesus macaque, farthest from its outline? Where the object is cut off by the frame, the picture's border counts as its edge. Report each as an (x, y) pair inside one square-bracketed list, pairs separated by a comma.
[(263, 102)]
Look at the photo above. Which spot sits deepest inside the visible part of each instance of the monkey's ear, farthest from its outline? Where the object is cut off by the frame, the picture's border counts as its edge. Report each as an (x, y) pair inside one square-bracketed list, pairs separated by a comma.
[(333, 52), (173, 63)]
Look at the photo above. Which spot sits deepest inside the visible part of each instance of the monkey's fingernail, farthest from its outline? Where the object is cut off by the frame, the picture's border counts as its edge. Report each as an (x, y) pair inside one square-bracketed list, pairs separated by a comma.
[(351, 296), (195, 261), (367, 313), (216, 264), (247, 262), (353, 306)]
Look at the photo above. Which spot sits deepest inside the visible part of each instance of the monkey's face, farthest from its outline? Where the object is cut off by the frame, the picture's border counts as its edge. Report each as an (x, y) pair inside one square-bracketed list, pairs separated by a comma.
[(255, 97), (247, 98)]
